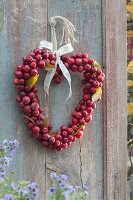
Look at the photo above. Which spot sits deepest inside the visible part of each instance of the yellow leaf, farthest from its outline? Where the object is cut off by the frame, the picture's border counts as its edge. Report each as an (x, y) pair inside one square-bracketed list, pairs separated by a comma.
[(130, 109), (97, 94), (32, 81), (130, 64), (51, 133), (96, 64), (130, 83), (129, 7), (37, 99), (45, 122), (49, 66), (130, 67)]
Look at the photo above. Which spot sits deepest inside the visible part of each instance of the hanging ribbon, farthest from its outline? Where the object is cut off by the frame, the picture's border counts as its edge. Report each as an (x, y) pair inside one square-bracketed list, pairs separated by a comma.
[(50, 74), (67, 38)]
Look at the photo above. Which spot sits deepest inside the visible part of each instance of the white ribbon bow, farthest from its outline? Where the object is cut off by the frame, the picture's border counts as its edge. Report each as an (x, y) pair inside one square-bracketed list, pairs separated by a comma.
[(50, 74)]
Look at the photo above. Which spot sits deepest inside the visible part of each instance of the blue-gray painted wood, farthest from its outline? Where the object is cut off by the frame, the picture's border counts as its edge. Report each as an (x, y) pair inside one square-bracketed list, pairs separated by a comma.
[(22, 25), (83, 160)]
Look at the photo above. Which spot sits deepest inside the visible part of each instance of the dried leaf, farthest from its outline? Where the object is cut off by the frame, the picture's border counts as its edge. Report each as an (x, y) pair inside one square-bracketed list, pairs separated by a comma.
[(38, 100), (130, 70), (130, 83), (130, 124), (130, 109), (129, 33), (32, 81), (51, 133), (29, 119), (82, 127), (129, 7), (97, 94), (45, 122)]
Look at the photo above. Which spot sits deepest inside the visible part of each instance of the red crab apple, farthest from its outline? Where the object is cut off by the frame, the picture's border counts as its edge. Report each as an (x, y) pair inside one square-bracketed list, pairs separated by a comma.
[(26, 100), (79, 134)]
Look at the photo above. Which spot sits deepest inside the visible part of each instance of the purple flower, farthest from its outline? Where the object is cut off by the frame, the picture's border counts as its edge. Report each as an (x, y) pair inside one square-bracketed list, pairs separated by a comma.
[(65, 195), (8, 197), (65, 189), (62, 186), (70, 188), (51, 191), (30, 191), (23, 192), (2, 172), (33, 190), (64, 177), (14, 186), (61, 183), (9, 147), (6, 161), (53, 175)]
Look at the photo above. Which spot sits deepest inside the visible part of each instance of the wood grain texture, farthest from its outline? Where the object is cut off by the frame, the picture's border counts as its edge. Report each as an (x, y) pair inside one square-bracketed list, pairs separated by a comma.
[(83, 161), (23, 25), (115, 128)]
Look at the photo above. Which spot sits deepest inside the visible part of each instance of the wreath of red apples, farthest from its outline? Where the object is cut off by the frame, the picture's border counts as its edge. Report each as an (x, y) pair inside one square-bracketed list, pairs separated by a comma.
[(26, 76)]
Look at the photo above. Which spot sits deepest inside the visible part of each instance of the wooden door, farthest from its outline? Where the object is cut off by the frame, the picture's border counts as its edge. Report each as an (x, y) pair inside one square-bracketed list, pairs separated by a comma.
[(99, 159)]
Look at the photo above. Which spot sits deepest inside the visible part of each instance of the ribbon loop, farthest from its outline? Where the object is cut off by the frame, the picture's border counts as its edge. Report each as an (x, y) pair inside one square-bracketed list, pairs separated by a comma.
[(65, 49), (67, 38), (50, 74), (46, 44)]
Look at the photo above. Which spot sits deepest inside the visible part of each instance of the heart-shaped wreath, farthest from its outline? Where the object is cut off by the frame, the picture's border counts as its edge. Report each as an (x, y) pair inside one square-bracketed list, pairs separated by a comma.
[(57, 64), (26, 76)]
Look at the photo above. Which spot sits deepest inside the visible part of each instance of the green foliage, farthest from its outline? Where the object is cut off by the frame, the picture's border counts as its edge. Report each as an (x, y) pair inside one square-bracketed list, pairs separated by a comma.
[(62, 190), (23, 190), (6, 187)]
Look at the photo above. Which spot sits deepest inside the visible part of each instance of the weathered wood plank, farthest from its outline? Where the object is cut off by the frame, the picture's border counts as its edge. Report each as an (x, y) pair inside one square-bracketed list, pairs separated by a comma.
[(83, 161), (115, 129), (22, 25), (21, 20)]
